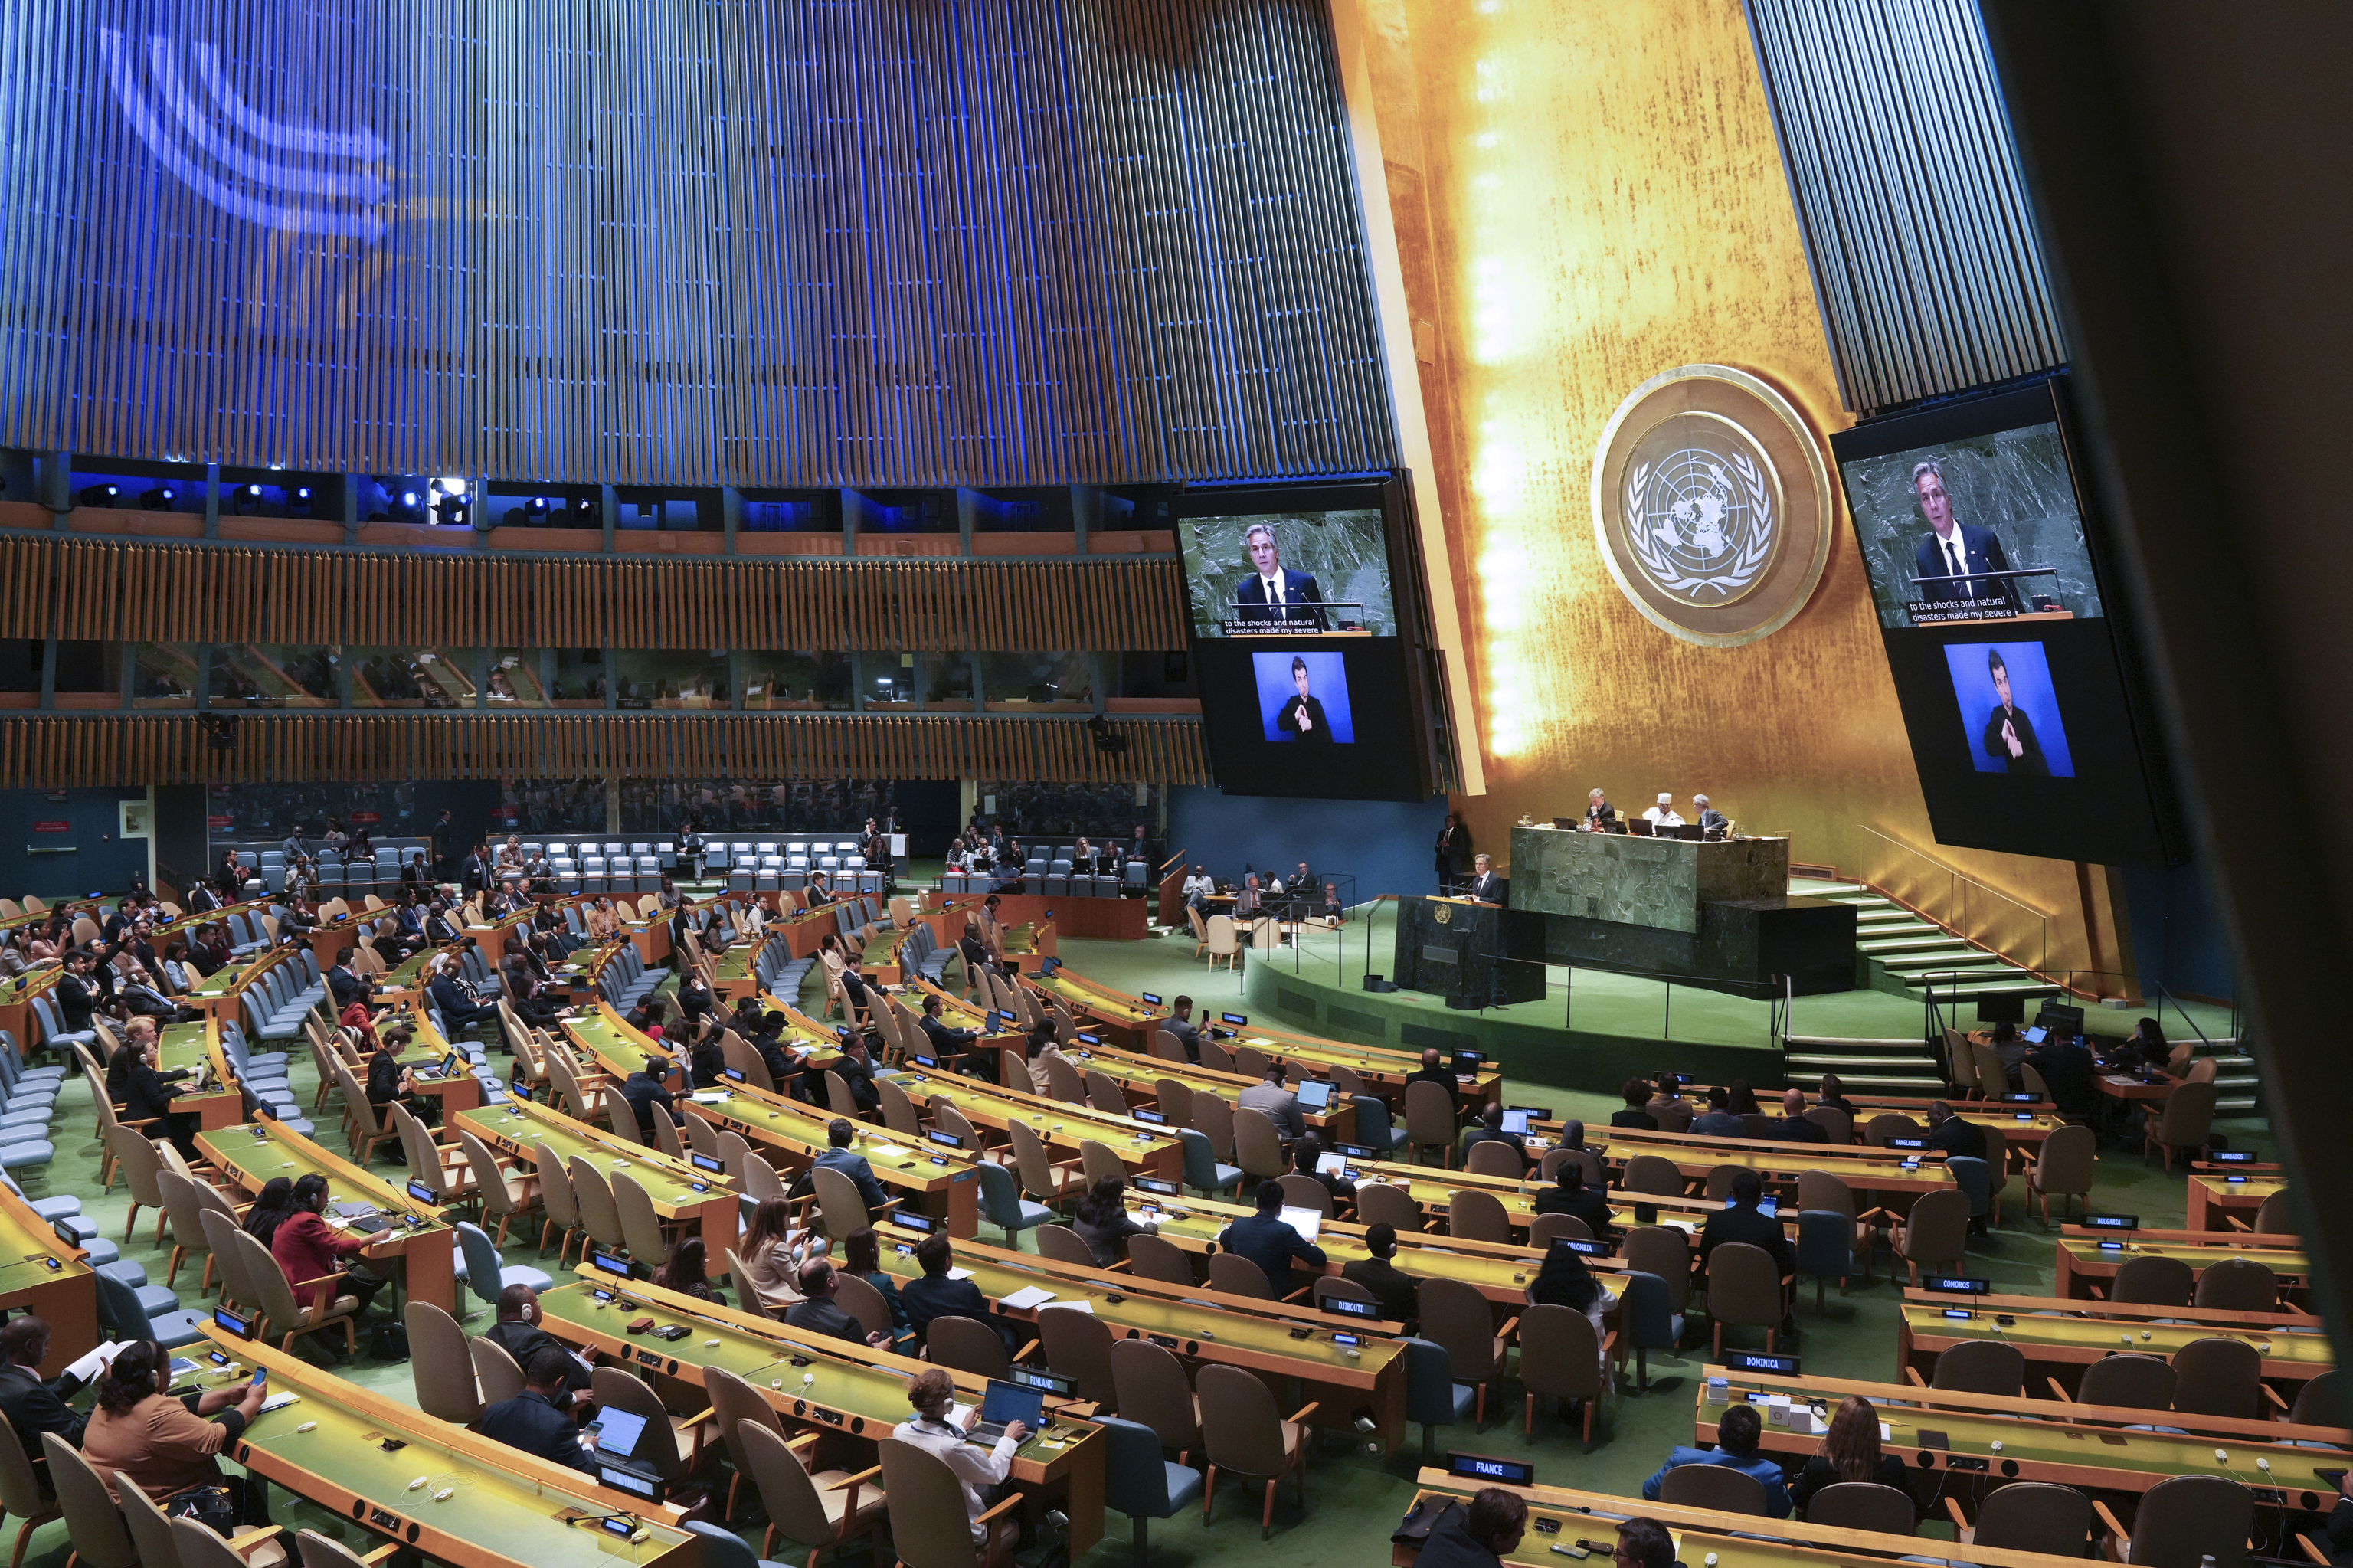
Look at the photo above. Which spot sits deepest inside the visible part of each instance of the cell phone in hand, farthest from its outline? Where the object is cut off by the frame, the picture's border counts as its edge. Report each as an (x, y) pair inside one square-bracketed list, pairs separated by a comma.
[(261, 1377)]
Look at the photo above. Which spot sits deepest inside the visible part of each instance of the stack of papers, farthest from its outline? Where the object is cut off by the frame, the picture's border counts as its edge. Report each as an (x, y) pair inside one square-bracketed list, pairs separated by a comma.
[(1027, 1299)]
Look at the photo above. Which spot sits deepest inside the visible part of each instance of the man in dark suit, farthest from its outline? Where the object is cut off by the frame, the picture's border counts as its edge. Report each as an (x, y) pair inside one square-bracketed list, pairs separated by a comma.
[(518, 1333), (944, 1042), (820, 1313), (31, 1406), (1267, 1239), (1269, 593), (649, 1095), (1180, 1024), (1453, 851), (345, 984), (1391, 1286), (2009, 732), (1953, 1134), (1742, 1223), (1432, 1071), (1793, 1127), (1710, 820), (535, 1420), (936, 1294), (2066, 1068), (1572, 1196), (1953, 551), (1301, 717), (857, 1070), (1307, 1152), (840, 1157), (1489, 1128), (1484, 884)]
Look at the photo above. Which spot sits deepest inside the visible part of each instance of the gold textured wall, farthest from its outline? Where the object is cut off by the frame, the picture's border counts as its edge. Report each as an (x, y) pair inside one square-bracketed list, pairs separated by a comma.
[(1584, 195)]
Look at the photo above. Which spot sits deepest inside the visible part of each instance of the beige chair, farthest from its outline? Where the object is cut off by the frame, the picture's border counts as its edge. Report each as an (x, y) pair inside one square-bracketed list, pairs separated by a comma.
[(1385, 1204), (1475, 1214), (1250, 1062), (2064, 1168), (734, 1405), (1175, 1099), (2184, 1123), (1560, 1359), (1744, 1290), (2278, 1215), (759, 1179), (1546, 1229), (967, 1345), (20, 1492), (185, 1211), (1887, 1125), (494, 1370), (599, 1216), (1257, 1147), (1654, 1173), (1936, 1233), (1430, 1120), (136, 1157), (1328, 1287), (1104, 1094), (898, 1110), (2218, 1377), (858, 1297), (221, 1231), (1300, 1191), (1493, 1156), (622, 1118), (1064, 1082), (1165, 1046), (821, 1512), (1713, 1487), (672, 1444), (1720, 1179), (503, 1194), (641, 1228), (556, 1200), (1156, 1257), (441, 1167), (1223, 942), (1455, 1316), (1062, 1245), (318, 1551), (1078, 1346), (1042, 1181), (2236, 1284), (1863, 1505), (2126, 1382), (365, 1127), (438, 1362), (2030, 1516), (2320, 1402), (1982, 1366), (277, 1303), (1149, 1383), (929, 1527), (2153, 1281), (843, 1212), (1231, 1274), (1242, 1436), (1099, 1162), (1664, 1251), (1215, 1057), (2185, 1520), (93, 1522)]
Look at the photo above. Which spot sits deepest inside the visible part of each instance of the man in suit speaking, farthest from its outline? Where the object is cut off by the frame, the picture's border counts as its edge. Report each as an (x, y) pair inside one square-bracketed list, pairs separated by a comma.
[(1484, 885), (1952, 551), (1271, 594)]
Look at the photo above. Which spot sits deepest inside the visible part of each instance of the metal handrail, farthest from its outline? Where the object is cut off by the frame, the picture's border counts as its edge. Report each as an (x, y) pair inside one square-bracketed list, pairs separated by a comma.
[(1964, 880)]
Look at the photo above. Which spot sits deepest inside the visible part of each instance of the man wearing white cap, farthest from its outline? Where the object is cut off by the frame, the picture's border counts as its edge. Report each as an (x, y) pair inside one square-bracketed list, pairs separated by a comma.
[(1710, 820), (1663, 815)]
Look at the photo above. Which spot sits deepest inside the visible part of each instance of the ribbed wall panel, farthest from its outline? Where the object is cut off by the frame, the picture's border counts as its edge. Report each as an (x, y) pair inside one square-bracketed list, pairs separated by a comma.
[(757, 242), (53, 753), (216, 593), (1926, 262)]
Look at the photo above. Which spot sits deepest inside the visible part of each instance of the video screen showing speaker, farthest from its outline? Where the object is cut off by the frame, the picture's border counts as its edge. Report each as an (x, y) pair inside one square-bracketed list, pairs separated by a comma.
[(1301, 598), (2028, 728), (1291, 573)]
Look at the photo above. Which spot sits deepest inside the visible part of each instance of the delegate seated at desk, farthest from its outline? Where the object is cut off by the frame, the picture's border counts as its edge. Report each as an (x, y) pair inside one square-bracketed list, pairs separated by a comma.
[(535, 1420)]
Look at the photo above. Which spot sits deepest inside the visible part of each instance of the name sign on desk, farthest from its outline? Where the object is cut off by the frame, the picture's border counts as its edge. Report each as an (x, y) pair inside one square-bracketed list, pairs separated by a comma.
[(1956, 1285), (1239, 1019), (907, 1222), (1150, 999), (2230, 1156), (2112, 1221), (1761, 1361), (1485, 1467)]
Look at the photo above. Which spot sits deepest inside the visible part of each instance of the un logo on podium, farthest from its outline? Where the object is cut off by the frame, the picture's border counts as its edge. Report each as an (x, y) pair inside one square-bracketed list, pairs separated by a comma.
[(1710, 504)]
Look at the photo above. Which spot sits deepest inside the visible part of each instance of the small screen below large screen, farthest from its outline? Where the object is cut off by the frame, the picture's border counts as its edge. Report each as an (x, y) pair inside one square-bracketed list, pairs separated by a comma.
[(1999, 633)]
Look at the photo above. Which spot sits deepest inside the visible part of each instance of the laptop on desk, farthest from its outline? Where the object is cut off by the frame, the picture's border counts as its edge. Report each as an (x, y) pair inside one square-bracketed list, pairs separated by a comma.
[(1313, 1094), (1004, 1403)]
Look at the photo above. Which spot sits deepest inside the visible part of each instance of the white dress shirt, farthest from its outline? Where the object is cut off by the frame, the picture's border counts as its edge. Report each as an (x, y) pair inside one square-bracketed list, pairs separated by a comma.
[(974, 1469), (1663, 816)]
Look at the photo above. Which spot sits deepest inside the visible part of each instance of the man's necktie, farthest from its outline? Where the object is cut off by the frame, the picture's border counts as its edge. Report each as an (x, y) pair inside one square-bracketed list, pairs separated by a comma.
[(1953, 553)]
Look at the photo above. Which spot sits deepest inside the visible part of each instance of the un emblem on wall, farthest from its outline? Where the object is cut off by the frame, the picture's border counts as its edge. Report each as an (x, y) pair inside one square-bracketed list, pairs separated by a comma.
[(1710, 503)]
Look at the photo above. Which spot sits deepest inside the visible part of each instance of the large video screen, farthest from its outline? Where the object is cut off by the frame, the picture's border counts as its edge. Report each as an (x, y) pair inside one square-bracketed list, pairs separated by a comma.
[(1999, 633), (1288, 573), (1296, 646)]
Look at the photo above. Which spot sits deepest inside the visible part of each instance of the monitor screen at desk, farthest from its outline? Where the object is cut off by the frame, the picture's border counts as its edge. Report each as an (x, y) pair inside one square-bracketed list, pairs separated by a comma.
[(1314, 1094), (1516, 1123)]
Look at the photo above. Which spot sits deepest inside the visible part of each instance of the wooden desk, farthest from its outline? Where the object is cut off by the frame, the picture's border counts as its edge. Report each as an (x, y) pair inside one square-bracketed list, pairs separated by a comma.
[(506, 1509), (1734, 1540), (1203, 1325), (2060, 1339), (43, 1274), (2075, 1445), (1138, 1077), (1144, 1148), (182, 1047), (2088, 1259), (1859, 1166), (426, 1247), (942, 1182), (2043, 1116), (681, 1194), (2221, 1193), (847, 1389)]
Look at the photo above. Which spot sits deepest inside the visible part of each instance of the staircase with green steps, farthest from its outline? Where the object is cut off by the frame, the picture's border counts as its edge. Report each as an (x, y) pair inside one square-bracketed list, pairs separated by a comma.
[(1906, 950)]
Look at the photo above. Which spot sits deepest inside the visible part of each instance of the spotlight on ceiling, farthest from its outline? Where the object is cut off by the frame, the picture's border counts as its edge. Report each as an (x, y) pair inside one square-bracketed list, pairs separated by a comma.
[(99, 494), (158, 499)]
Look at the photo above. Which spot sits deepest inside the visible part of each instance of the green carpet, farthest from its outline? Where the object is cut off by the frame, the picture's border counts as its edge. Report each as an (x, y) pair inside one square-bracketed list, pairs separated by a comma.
[(1353, 1498)]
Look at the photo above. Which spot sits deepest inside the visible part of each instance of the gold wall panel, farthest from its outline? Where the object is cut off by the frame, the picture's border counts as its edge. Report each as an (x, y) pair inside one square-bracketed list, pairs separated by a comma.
[(1587, 195)]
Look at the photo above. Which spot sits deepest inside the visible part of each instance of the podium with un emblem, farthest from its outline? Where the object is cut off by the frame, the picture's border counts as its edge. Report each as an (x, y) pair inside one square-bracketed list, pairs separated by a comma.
[(1474, 955)]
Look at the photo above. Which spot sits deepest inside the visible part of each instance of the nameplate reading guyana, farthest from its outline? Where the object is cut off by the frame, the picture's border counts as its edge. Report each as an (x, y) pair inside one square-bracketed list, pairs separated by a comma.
[(1711, 504)]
